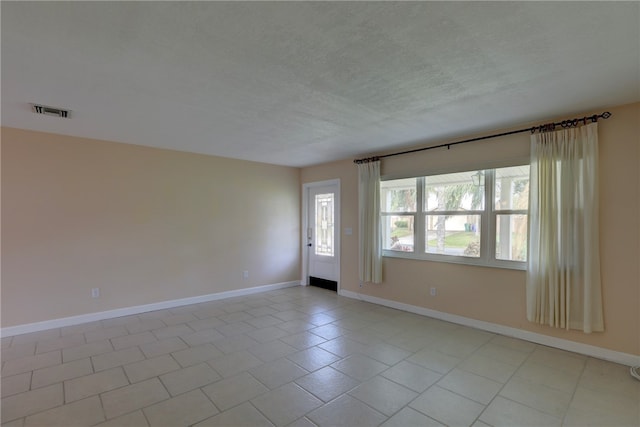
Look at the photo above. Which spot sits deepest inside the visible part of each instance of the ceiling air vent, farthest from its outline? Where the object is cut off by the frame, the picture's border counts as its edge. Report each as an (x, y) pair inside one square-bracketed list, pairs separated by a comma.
[(51, 111)]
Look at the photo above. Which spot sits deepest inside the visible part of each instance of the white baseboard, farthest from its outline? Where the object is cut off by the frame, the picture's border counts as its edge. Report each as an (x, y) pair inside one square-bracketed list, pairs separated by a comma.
[(586, 349), (127, 311)]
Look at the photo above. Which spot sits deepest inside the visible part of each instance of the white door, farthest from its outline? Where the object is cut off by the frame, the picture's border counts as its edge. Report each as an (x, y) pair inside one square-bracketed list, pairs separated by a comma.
[(322, 237)]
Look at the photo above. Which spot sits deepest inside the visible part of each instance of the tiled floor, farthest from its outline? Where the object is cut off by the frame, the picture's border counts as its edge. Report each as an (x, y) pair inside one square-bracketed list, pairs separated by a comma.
[(302, 357)]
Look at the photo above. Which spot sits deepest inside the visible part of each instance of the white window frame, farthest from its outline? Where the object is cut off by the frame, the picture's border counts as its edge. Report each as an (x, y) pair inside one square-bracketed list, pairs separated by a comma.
[(488, 225)]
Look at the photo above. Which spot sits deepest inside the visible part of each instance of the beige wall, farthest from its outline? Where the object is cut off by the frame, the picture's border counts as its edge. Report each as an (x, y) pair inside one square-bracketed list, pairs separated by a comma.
[(498, 295), (143, 225)]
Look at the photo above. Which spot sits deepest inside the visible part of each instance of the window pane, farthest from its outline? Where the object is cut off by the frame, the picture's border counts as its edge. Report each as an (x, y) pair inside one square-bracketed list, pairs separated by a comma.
[(512, 188), (398, 195), (324, 224), (397, 232), (453, 235), (511, 237), (462, 191)]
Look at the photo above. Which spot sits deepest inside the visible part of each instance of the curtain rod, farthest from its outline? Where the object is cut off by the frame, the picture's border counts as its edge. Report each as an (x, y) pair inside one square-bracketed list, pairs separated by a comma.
[(542, 128)]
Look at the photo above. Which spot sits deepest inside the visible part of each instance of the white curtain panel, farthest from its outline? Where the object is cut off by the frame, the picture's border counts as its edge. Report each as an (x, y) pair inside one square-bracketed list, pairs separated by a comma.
[(563, 271), (370, 253)]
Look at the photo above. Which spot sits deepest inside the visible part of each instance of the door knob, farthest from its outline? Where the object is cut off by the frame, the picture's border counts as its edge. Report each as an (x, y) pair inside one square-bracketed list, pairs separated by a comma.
[(309, 244)]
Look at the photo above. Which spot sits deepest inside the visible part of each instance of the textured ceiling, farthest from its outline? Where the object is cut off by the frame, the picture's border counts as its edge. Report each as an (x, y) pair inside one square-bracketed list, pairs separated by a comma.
[(304, 83)]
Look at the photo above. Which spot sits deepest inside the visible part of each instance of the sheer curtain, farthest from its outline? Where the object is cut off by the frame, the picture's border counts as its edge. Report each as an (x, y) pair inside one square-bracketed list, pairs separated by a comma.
[(563, 271), (370, 254)]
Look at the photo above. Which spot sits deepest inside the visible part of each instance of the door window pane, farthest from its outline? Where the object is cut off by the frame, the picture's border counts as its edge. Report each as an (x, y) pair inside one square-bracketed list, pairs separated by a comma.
[(324, 224), (453, 235), (511, 237), (397, 232)]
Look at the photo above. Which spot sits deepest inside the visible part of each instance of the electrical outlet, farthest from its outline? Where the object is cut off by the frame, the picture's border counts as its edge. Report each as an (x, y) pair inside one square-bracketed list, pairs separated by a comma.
[(95, 293), (245, 274), (433, 292)]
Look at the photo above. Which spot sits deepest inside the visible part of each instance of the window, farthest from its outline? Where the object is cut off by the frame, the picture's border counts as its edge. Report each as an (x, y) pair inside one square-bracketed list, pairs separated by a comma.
[(473, 217)]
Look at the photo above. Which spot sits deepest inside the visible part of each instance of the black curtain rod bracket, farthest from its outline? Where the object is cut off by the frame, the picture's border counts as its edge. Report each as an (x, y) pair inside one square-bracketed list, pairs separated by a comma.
[(548, 127)]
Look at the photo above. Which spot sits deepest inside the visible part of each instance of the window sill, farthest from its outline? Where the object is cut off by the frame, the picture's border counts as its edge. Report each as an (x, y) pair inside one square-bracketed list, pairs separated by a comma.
[(477, 262)]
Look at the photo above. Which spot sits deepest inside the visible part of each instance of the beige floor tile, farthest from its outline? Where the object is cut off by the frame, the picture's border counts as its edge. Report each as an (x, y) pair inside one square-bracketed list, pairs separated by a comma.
[(359, 367), (313, 358), (202, 337), (36, 336), (502, 354), (20, 350), (271, 350), (328, 331), (551, 377), (183, 380), (264, 321), (302, 422), (471, 386), (504, 412), (181, 411), (120, 321), (31, 402), (112, 359), (558, 359), (15, 384), (86, 350), (55, 374), (549, 400), (206, 323), (30, 363), (134, 419), (45, 346), (434, 360), (513, 343), (343, 347), (235, 328), (172, 331), (130, 398), (384, 395), (284, 405), (158, 348), (86, 412), (106, 333), (234, 363), (270, 333), (144, 326), (131, 340), (387, 354), (408, 417), (293, 326), (613, 378), (15, 423), (488, 367), (276, 373), (596, 408), (178, 319), (447, 407), (156, 314), (230, 392), (81, 328), (261, 311), (346, 411), (86, 386), (149, 368), (241, 416), (413, 376), (194, 355), (327, 383), (235, 343)]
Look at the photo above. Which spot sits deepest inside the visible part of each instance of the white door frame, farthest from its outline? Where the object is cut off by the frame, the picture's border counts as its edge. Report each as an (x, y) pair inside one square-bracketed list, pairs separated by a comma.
[(305, 226)]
